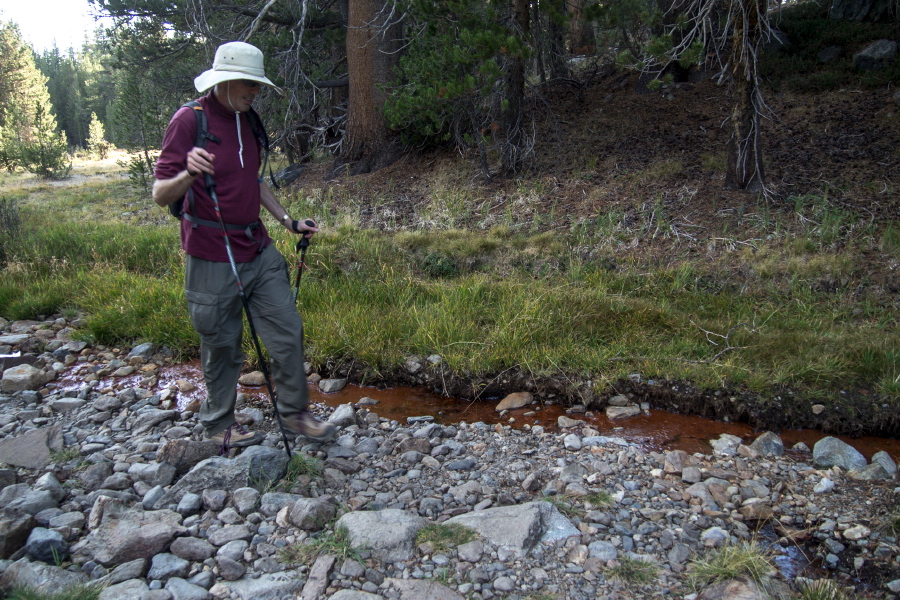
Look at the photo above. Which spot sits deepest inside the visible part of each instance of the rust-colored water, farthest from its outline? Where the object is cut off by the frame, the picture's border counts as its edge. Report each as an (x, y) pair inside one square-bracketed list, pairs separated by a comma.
[(658, 430)]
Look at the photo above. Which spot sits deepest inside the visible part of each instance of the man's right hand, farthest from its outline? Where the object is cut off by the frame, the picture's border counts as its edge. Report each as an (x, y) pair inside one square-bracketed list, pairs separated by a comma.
[(167, 191), (199, 161)]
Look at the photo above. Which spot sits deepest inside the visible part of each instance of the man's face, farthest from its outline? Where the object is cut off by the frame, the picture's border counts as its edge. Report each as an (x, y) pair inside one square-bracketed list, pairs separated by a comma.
[(238, 94)]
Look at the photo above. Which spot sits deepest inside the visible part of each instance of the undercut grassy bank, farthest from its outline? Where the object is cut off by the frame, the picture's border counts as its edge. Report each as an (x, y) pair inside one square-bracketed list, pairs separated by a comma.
[(780, 305)]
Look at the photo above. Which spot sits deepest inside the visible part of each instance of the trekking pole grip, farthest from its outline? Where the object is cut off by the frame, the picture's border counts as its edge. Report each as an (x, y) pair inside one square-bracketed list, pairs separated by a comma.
[(303, 243)]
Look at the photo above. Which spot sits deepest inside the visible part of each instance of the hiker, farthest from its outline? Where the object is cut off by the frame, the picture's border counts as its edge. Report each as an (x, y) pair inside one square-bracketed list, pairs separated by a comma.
[(232, 157)]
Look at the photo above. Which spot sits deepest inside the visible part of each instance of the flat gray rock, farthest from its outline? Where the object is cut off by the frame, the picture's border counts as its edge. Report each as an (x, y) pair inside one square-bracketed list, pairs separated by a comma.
[(390, 534), (519, 528), (415, 589), (32, 449), (268, 586)]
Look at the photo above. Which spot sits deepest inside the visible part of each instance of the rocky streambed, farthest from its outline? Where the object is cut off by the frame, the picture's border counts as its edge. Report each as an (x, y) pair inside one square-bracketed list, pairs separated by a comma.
[(111, 484)]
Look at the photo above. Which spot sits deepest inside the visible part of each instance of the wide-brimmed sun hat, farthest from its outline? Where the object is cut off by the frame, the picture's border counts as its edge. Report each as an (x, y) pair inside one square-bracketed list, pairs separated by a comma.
[(234, 60)]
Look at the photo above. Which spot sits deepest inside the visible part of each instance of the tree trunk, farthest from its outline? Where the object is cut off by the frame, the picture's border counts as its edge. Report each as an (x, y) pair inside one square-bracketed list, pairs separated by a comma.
[(579, 31), (558, 61), (513, 153), (745, 164), (373, 41)]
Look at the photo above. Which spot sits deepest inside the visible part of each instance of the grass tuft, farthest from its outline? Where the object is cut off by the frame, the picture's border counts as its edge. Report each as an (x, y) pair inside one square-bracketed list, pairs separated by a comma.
[(822, 589), (441, 537), (565, 505), (631, 571), (65, 455), (597, 499), (335, 542), (890, 240), (731, 561), (301, 465)]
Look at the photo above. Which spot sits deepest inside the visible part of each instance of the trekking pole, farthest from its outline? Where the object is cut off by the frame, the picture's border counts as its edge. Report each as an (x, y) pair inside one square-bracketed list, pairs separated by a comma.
[(211, 190), (302, 245)]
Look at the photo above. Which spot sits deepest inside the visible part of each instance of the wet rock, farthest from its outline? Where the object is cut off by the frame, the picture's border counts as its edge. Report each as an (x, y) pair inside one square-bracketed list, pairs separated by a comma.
[(332, 385), (726, 444), (565, 422), (831, 452), (24, 377), (254, 379), (515, 400), (622, 412), (768, 444)]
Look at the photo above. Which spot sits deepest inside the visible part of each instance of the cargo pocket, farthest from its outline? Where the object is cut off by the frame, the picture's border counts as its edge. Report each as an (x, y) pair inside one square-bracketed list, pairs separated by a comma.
[(204, 311)]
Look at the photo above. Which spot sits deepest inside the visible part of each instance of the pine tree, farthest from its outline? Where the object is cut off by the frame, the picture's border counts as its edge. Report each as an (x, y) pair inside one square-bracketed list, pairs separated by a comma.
[(28, 131), (45, 152), (97, 144)]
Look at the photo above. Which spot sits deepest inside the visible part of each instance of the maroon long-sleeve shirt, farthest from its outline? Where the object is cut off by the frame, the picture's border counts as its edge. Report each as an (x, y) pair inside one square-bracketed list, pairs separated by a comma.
[(236, 165)]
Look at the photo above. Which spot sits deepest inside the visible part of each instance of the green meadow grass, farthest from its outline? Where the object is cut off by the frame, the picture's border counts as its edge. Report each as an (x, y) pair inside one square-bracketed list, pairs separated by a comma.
[(487, 299)]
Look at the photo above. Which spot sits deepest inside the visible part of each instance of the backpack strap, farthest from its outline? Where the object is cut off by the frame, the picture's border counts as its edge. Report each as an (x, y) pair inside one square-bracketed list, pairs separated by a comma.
[(259, 131), (203, 135)]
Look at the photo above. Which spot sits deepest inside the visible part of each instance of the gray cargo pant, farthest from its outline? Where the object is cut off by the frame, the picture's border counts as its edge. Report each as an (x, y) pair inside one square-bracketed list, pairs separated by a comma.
[(216, 314)]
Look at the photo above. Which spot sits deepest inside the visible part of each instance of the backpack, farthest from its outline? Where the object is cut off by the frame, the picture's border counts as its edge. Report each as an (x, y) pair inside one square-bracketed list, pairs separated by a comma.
[(202, 137)]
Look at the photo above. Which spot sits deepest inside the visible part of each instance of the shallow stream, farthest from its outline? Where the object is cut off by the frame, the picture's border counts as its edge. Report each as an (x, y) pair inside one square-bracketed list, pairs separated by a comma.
[(654, 430)]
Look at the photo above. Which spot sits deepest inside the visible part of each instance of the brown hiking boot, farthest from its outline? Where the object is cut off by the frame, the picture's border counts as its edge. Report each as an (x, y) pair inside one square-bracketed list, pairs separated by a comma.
[(236, 436), (305, 424)]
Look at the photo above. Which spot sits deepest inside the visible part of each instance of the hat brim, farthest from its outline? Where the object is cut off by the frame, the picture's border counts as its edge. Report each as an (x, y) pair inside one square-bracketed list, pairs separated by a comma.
[(212, 77)]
